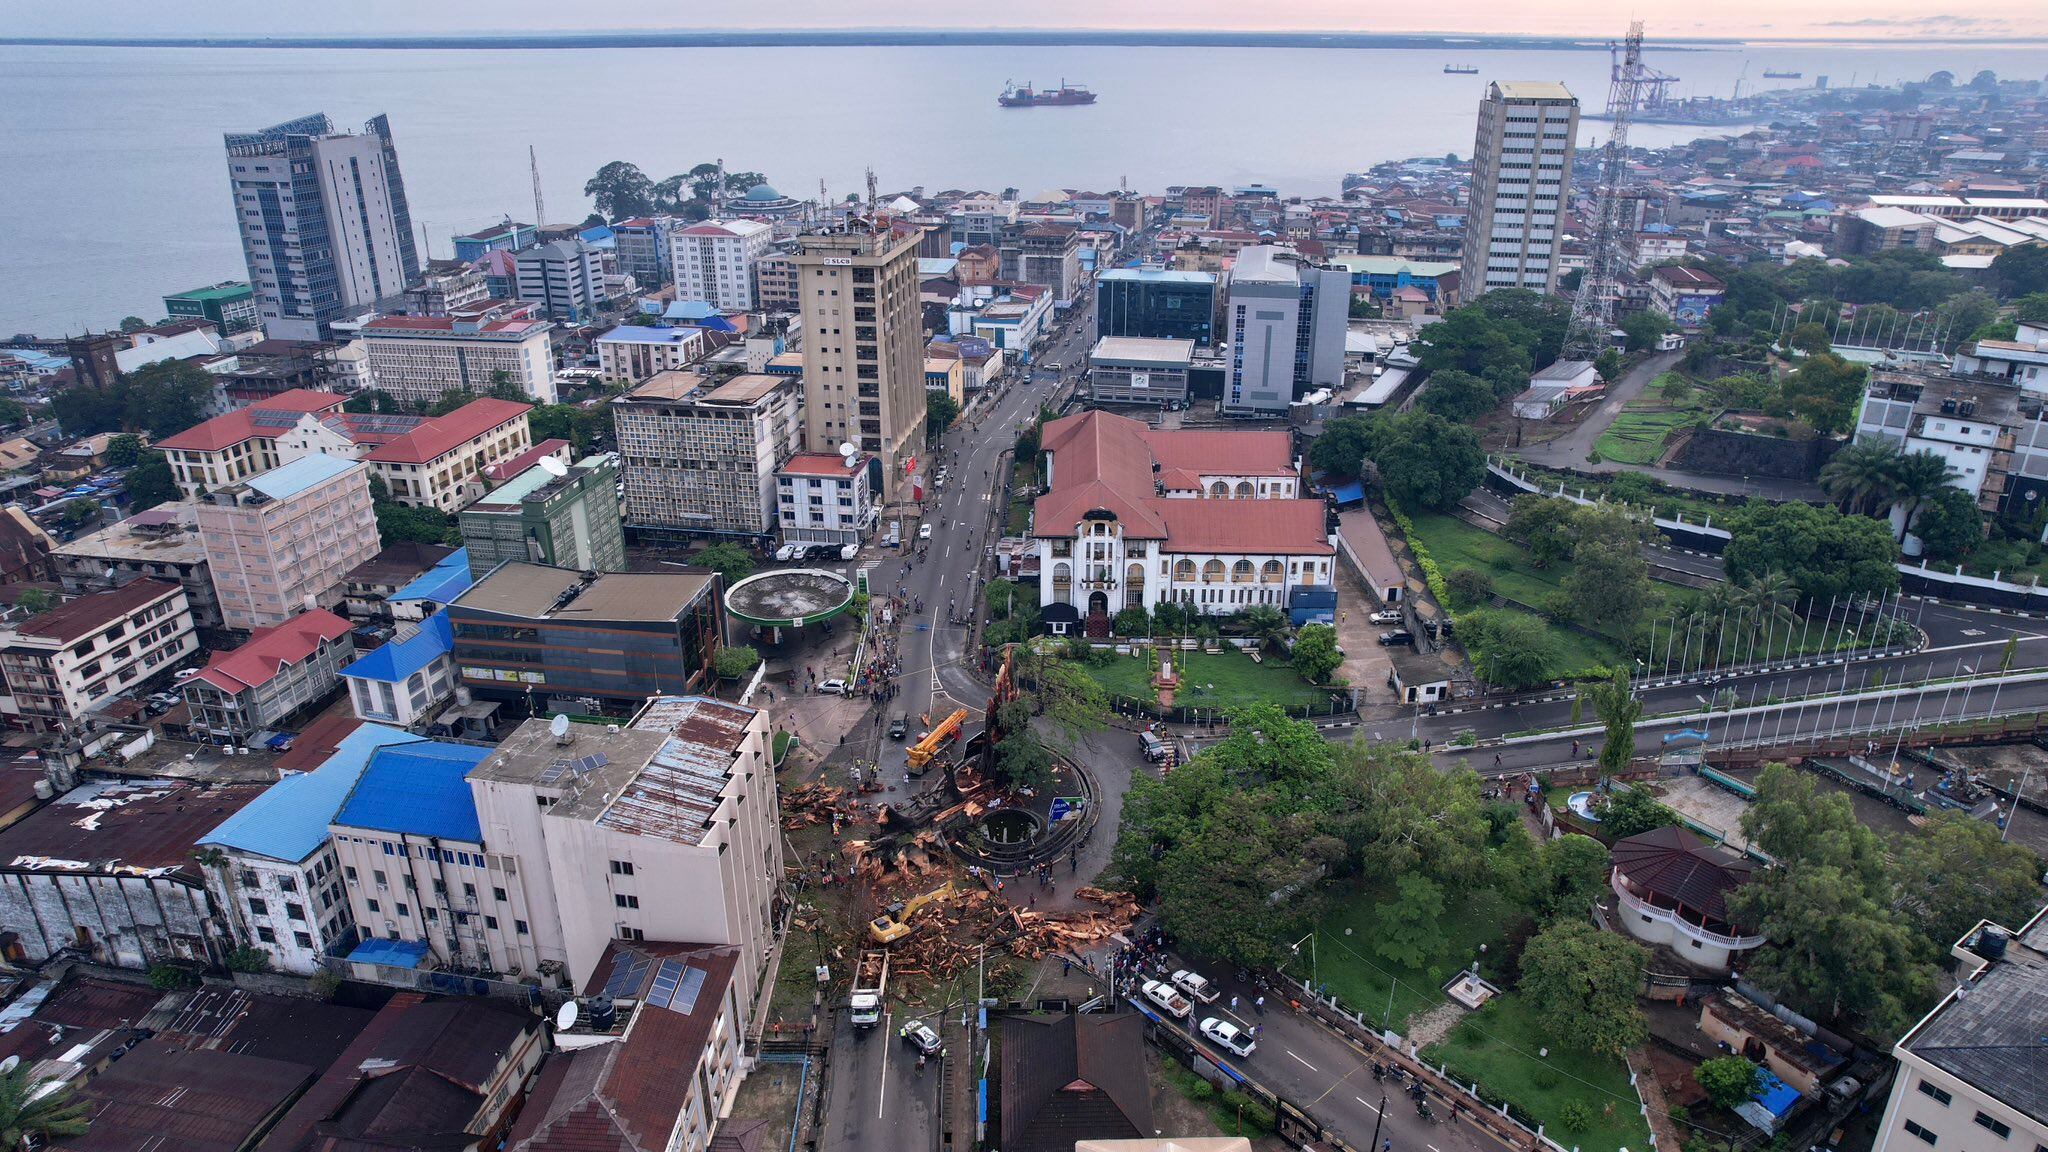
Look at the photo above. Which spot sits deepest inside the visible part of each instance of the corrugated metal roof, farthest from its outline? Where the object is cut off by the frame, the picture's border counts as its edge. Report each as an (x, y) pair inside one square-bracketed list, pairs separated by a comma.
[(289, 821), (675, 796), (400, 659), (440, 584), (417, 789), (288, 480)]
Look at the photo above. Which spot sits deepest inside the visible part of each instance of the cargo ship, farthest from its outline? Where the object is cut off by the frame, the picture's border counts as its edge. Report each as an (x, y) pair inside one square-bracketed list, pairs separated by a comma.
[(1028, 97), (1770, 75), (1461, 69)]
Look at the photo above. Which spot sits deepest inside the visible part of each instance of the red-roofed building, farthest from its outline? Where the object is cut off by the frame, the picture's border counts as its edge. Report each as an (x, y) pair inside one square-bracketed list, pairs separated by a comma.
[(242, 443), (281, 670), (1135, 517), (429, 465), (1673, 888), (823, 498)]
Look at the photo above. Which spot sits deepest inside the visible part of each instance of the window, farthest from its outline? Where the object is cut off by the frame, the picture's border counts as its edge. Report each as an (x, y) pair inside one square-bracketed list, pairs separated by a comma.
[(373, 906), (402, 909), (1993, 1124), (622, 867), (258, 907), (519, 926), (1940, 1097), (350, 872), (1922, 1133), (295, 911), (266, 935), (625, 901), (378, 873), (430, 913), (491, 922), (498, 894), (302, 939), (631, 934)]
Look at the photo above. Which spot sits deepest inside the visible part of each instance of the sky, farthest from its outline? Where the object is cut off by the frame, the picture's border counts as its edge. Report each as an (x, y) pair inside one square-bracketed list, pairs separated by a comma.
[(1749, 19)]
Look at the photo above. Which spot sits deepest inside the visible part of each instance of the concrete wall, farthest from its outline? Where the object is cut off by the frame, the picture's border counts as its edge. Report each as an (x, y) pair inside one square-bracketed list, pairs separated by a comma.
[(1717, 451), (131, 921)]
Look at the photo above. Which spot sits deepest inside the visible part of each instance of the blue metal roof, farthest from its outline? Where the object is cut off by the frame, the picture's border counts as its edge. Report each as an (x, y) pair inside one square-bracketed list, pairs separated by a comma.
[(288, 480), (690, 310), (289, 821), (389, 953), (642, 334), (417, 789), (394, 662), (440, 584)]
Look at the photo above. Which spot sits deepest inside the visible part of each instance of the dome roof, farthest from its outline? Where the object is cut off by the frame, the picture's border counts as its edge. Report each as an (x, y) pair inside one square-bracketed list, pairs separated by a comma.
[(761, 193)]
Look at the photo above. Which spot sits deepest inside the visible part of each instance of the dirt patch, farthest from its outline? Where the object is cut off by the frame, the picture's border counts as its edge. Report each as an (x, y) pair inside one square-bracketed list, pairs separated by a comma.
[(1434, 1025), (770, 1095)]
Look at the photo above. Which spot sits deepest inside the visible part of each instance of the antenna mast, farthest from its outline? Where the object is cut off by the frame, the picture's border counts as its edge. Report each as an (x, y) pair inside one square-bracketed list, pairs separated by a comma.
[(540, 212), (718, 193), (874, 221), (1600, 282)]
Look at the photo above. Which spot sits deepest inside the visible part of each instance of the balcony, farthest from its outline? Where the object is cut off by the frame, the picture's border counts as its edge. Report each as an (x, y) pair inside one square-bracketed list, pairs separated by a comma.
[(1670, 917)]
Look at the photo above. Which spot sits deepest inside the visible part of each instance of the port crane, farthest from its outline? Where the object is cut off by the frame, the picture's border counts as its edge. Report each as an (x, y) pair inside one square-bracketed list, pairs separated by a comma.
[(1653, 87)]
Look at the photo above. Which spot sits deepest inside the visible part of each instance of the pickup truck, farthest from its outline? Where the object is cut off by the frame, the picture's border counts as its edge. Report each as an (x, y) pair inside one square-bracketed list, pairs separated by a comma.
[(1195, 984), (1167, 998)]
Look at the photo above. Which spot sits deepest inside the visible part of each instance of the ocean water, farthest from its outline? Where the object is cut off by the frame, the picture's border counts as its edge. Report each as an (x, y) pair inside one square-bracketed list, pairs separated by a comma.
[(113, 187)]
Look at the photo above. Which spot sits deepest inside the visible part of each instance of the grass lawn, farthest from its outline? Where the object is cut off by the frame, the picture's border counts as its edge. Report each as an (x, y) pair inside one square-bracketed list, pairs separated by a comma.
[(1361, 978), (1637, 435), (1224, 680), (782, 743), (1497, 1047)]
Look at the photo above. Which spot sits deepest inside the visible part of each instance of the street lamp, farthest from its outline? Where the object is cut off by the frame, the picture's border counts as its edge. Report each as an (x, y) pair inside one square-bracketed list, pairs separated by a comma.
[(1314, 969)]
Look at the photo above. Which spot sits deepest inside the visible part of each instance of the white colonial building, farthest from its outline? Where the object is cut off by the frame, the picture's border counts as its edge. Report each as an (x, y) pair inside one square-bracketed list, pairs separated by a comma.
[(1135, 517)]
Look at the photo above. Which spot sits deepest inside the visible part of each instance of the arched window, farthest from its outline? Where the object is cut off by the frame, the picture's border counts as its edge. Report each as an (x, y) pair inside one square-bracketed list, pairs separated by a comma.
[(1062, 579), (1212, 572), (1244, 489), (1272, 573), (1184, 572), (1135, 574), (1219, 490), (1134, 586), (1241, 572)]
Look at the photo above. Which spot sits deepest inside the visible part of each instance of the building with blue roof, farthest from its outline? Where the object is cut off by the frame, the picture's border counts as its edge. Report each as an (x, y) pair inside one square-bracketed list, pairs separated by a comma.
[(288, 480), (631, 353), (434, 589), (406, 680), (276, 866), (414, 794)]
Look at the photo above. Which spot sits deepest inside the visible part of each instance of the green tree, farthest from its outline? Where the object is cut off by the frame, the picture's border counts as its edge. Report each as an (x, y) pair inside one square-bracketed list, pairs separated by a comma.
[(1918, 477), (1425, 462), (35, 601), (1573, 871), (133, 323), (167, 397), (1609, 364), (1810, 338), (1861, 474), (1316, 655), (150, 483), (1409, 928), (728, 560), (620, 190), (1609, 582), (1953, 871), (397, 523), (1581, 984), (1643, 329), (1675, 388), (1949, 525), (39, 1111), (581, 427), (735, 662), (78, 513), (1457, 396), (12, 412), (1827, 555), (2031, 308), (1264, 623), (1340, 449), (1469, 587), (1397, 813), (124, 451), (1021, 760), (1509, 649), (1001, 597), (449, 401), (1542, 524), (1616, 704), (940, 410), (1824, 391), (2020, 270), (375, 400), (1633, 811), (1729, 1081), (1131, 621)]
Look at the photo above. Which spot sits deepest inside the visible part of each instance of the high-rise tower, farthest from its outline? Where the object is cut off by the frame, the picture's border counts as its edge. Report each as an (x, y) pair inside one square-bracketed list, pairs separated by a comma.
[(1521, 185), (863, 346)]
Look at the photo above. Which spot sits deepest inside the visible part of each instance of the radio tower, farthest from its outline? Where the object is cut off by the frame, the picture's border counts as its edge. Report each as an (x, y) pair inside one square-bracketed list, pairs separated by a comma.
[(540, 212), (1606, 260)]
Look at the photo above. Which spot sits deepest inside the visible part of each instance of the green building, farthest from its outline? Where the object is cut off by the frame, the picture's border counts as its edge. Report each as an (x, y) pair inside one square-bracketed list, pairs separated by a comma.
[(565, 516), (231, 305)]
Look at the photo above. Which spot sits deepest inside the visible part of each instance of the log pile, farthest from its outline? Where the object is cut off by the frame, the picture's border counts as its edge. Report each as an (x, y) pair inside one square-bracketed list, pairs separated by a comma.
[(810, 804), (886, 860)]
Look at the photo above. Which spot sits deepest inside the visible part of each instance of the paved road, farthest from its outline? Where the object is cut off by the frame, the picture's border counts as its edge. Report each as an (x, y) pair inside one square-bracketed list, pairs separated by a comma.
[(1570, 450), (877, 1099)]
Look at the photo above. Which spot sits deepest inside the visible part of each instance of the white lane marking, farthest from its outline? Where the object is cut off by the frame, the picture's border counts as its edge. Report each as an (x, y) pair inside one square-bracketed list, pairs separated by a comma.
[(882, 1097), (1303, 1063), (1362, 1100), (1431, 1147)]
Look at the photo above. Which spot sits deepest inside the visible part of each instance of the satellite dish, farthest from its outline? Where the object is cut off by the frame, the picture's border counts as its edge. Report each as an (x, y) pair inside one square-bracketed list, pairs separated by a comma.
[(846, 449), (564, 1019), (553, 466), (559, 726), (9, 1064)]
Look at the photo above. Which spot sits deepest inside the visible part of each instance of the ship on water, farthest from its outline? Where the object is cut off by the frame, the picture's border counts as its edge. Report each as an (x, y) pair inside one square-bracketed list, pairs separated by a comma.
[(1025, 96), (1461, 69), (1770, 75)]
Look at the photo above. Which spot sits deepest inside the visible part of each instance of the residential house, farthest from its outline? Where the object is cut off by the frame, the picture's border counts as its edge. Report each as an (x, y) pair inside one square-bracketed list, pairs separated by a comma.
[(281, 670)]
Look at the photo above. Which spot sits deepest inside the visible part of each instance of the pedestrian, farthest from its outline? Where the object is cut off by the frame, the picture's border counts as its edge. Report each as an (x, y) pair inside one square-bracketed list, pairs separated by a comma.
[(1233, 1003), (1066, 966), (1260, 1004), (1575, 749), (1034, 901), (1496, 759)]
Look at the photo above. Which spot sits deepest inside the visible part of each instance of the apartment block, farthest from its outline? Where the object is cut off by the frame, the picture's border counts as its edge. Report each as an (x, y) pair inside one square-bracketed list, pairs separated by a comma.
[(826, 499), (565, 278), (1521, 184), (775, 281), (160, 544), (699, 455), (278, 672), (714, 261), (630, 353), (283, 542), (403, 681), (564, 516), (863, 347), (62, 664), (416, 358), (435, 461), (242, 443), (642, 244)]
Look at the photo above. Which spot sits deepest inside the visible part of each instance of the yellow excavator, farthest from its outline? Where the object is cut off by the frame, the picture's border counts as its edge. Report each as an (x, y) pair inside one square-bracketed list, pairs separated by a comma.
[(894, 924), (922, 752)]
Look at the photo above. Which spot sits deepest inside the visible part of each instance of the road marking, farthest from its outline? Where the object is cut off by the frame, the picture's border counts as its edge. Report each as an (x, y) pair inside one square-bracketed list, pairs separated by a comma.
[(1303, 1063), (1362, 1100), (882, 1097)]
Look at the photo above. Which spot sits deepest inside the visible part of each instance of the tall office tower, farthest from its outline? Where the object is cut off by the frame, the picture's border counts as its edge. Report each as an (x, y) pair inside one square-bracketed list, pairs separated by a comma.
[(325, 227), (863, 347), (1287, 316), (1521, 183), (714, 260)]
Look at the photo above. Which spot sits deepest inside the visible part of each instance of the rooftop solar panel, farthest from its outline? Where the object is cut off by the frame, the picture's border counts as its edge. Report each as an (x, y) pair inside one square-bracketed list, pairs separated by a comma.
[(666, 978), (628, 968), (685, 998), (553, 772)]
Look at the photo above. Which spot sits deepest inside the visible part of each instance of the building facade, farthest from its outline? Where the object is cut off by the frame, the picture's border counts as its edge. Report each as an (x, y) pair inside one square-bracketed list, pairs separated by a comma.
[(714, 261), (567, 517), (402, 682), (1048, 255), (863, 347), (1136, 370), (629, 353), (283, 542), (699, 456), (564, 277), (278, 672), (1286, 322), (160, 544), (643, 247), (1156, 304), (230, 306), (825, 499), (416, 358), (509, 236), (240, 444), (775, 282), (439, 460), (1521, 187), (62, 664), (324, 221)]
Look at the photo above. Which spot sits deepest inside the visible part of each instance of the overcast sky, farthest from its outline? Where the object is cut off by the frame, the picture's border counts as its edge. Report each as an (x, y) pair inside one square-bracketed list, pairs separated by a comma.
[(1755, 19)]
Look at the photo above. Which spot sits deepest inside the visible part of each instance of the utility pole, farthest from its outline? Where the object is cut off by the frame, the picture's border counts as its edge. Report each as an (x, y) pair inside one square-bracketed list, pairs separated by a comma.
[(540, 210)]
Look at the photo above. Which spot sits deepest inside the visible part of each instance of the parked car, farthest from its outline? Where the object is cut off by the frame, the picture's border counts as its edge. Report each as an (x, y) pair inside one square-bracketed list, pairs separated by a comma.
[(1228, 1036), (897, 726), (834, 686), (1169, 1001), (1396, 639), (919, 1035), (785, 554), (1195, 984), (924, 532), (1387, 616)]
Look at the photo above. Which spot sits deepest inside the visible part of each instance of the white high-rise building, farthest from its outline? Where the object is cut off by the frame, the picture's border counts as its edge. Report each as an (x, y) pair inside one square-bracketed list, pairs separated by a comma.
[(325, 227), (1521, 183), (714, 261)]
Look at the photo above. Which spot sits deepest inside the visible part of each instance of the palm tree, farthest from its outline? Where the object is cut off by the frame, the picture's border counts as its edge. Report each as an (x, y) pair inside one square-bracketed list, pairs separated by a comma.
[(1918, 477), (1266, 624), (1771, 595), (39, 1108), (1861, 473)]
